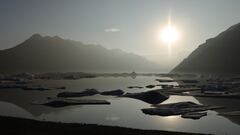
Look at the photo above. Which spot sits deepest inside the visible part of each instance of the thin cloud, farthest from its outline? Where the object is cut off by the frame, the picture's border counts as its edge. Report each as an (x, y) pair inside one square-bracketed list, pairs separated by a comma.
[(112, 30)]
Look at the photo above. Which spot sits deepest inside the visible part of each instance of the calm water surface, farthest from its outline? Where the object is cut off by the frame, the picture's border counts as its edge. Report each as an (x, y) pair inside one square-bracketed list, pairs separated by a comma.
[(123, 112)]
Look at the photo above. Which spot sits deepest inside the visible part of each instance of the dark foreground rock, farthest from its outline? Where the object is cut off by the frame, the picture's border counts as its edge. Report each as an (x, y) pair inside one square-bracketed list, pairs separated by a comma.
[(194, 115), (117, 92), (38, 88), (61, 88), (164, 80), (179, 108), (150, 86), (68, 102), (135, 87), (87, 92), (15, 126), (166, 86), (151, 97)]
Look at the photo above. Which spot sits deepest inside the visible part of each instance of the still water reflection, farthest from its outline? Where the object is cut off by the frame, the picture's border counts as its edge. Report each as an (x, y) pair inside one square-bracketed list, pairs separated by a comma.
[(123, 112)]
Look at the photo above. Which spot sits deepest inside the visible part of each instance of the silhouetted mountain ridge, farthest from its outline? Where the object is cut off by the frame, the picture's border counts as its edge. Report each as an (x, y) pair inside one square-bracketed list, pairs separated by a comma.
[(54, 54), (219, 55)]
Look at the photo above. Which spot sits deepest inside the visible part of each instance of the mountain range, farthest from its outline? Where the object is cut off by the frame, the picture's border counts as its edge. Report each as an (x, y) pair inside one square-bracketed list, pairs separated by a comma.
[(40, 54)]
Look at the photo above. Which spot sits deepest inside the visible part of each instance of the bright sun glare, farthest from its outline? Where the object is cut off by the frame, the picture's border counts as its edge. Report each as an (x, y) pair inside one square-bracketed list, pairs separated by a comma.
[(169, 35)]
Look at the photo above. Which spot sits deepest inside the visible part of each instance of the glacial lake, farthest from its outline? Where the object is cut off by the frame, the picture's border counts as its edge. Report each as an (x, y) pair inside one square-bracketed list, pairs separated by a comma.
[(124, 112)]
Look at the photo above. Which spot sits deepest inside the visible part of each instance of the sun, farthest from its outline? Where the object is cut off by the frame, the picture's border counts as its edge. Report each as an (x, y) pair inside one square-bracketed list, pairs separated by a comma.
[(169, 35)]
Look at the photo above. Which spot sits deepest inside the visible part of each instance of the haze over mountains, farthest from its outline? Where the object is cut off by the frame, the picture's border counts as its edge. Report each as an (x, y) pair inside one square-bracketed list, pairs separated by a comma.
[(53, 54), (39, 54), (219, 55)]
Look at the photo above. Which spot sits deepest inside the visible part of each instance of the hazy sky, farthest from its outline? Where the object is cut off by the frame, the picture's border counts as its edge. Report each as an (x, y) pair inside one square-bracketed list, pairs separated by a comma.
[(131, 25)]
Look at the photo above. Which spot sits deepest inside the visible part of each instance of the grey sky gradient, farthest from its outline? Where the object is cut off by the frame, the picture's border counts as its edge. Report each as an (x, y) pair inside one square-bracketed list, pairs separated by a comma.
[(131, 25)]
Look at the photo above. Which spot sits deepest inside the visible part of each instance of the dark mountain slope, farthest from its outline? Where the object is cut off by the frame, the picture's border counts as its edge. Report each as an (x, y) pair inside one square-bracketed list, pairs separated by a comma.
[(219, 55)]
